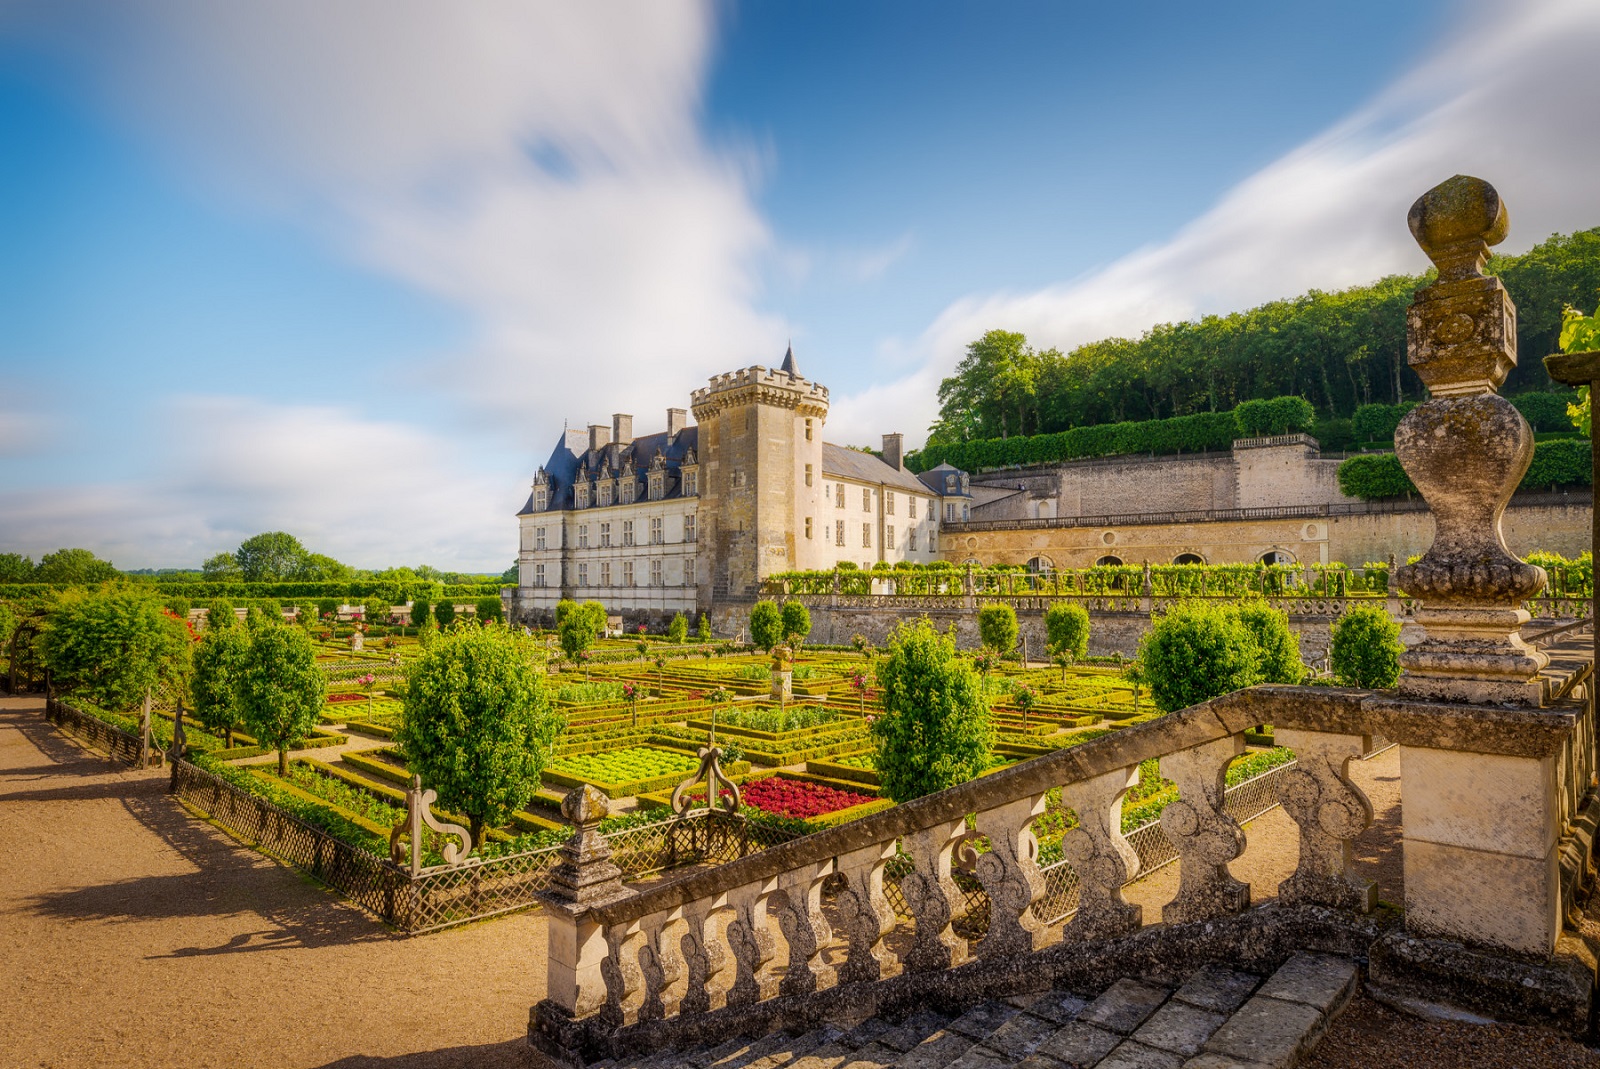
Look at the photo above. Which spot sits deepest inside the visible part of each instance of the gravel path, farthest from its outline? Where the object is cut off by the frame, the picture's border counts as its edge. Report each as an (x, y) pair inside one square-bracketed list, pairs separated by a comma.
[(136, 935)]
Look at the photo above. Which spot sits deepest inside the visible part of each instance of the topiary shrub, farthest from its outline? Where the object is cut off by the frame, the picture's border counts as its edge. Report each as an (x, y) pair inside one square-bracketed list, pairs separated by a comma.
[(678, 629), (935, 731), (488, 609), (445, 613), (1067, 626), (1266, 417), (1365, 651), (766, 624), (1373, 477), (1194, 652), (1376, 423), (796, 622), (997, 627), (1280, 646)]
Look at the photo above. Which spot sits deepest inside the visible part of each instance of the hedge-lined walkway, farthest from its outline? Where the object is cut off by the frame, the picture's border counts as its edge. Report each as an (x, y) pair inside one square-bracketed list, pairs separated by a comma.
[(138, 935)]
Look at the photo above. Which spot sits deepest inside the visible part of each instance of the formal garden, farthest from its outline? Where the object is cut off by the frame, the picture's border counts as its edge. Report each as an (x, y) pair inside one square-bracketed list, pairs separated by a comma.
[(329, 718)]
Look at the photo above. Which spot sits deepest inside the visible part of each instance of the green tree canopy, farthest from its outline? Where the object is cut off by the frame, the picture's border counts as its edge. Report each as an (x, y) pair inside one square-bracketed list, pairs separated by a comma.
[(1365, 648), (221, 568), (270, 557), (421, 612), (75, 566), (766, 624), (1279, 645), (997, 627), (445, 612), (220, 660), (579, 627), (935, 731), (1067, 626), (15, 568), (281, 690), (1196, 651), (796, 622), (477, 725), (113, 646)]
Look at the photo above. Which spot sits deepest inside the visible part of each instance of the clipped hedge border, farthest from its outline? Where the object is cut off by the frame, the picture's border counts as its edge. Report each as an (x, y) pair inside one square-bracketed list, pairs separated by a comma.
[(635, 787)]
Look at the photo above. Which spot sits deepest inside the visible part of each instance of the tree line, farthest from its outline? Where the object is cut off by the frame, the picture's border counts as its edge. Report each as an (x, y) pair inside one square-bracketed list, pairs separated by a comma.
[(1339, 350)]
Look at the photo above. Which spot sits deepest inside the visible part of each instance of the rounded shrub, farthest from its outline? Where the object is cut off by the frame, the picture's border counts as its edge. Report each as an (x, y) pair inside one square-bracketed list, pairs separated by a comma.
[(1194, 652), (1280, 646), (1365, 651), (935, 731), (766, 624), (1067, 625), (997, 626)]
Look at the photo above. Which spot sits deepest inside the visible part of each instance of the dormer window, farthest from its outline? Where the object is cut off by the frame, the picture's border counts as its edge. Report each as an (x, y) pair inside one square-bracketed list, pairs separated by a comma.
[(541, 499), (629, 487), (658, 486), (691, 483), (605, 493), (581, 496)]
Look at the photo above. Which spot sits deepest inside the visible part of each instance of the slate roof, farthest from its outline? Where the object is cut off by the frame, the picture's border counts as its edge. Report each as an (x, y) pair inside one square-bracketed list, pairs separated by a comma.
[(571, 459), (866, 468), (934, 479)]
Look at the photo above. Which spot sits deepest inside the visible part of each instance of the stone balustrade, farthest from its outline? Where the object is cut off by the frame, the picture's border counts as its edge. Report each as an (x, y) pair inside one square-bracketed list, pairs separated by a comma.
[(1484, 868)]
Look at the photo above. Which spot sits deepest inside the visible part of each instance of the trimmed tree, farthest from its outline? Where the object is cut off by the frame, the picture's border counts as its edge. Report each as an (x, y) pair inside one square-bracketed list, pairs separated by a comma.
[(563, 607), (796, 622), (445, 612), (766, 624), (219, 615), (489, 608), (1067, 626), (1280, 646), (420, 612), (220, 660), (579, 628), (1365, 650), (114, 646), (997, 626), (703, 632), (376, 610), (678, 629), (477, 725), (1194, 652), (282, 689), (934, 732)]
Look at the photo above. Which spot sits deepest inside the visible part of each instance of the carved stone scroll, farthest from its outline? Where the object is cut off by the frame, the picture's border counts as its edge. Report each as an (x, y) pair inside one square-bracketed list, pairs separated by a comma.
[(703, 957), (751, 943), (1101, 856), (1009, 873), (864, 911), (1203, 833), (1331, 811), (419, 814), (658, 965), (620, 970), (933, 898), (805, 929)]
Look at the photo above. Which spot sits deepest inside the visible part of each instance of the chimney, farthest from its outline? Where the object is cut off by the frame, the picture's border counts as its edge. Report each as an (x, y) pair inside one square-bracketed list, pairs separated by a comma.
[(677, 420), (622, 429), (599, 437), (893, 450)]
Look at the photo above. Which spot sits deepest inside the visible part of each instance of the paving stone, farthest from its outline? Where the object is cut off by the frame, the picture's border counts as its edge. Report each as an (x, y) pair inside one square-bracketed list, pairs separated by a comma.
[(1131, 1054), (797, 1047), (755, 1054), (1124, 1006), (1020, 1036), (979, 1022), (703, 1058), (1219, 1061), (981, 1058), (1179, 1028), (1038, 1061), (872, 1056), (1058, 1007), (1321, 981), (913, 1030), (865, 1032), (1079, 1045), (935, 1052), (1218, 988), (1268, 1031), (1022, 1002), (828, 1056)]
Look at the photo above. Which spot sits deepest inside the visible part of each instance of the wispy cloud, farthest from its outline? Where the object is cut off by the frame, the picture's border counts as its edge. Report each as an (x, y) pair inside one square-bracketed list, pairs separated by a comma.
[(1510, 99)]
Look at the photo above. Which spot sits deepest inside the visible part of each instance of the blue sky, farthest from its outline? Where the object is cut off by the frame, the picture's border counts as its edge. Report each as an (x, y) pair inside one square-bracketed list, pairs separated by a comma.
[(344, 271)]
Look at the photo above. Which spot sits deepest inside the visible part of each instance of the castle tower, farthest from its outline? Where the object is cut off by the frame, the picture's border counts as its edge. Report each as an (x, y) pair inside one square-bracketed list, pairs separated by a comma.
[(761, 463)]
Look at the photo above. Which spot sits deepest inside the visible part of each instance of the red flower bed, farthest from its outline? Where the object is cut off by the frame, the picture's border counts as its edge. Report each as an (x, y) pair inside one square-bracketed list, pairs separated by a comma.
[(346, 698), (797, 798)]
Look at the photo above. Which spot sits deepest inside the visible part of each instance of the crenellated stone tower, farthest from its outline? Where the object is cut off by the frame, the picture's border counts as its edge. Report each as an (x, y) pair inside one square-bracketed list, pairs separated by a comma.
[(761, 456)]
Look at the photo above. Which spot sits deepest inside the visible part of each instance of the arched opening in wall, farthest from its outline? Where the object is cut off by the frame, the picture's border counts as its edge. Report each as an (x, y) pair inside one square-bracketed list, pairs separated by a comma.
[(1041, 565), (1108, 561), (1188, 558), (1277, 556), (974, 561)]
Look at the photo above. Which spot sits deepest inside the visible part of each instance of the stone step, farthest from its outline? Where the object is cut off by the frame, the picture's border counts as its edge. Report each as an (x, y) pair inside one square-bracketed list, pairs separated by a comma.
[(1218, 1018)]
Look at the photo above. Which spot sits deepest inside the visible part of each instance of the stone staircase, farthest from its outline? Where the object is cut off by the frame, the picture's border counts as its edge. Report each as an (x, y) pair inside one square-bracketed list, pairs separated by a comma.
[(1219, 1018)]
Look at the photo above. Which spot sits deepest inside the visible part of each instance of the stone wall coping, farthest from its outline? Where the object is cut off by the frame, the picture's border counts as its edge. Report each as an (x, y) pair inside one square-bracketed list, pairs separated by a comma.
[(1511, 731)]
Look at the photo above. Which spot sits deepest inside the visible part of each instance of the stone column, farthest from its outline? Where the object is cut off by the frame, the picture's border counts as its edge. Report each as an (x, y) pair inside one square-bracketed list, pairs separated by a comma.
[(575, 987), (1481, 829)]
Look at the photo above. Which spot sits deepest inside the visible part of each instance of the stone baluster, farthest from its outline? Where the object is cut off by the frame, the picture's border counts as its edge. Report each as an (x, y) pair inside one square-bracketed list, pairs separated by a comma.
[(751, 943), (1330, 811), (623, 978), (658, 964), (703, 956), (805, 929), (1010, 876), (1101, 856), (933, 898), (864, 911), (1203, 833)]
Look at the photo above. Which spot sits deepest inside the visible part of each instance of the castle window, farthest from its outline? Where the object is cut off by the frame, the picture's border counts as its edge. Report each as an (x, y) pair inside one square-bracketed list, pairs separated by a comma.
[(629, 488), (736, 478), (688, 528), (808, 430), (657, 485), (949, 512), (911, 540), (627, 573), (690, 481), (605, 536), (583, 575), (808, 526), (580, 496), (538, 538), (605, 573), (966, 512), (838, 532), (655, 573), (627, 532), (911, 508), (888, 502), (838, 495), (688, 572), (888, 537), (583, 536), (538, 575), (866, 536), (605, 494), (866, 500), (808, 474), (656, 537), (540, 501)]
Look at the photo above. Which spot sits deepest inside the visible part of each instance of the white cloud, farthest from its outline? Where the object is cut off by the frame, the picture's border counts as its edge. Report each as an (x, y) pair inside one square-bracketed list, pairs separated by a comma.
[(1510, 99), (370, 493)]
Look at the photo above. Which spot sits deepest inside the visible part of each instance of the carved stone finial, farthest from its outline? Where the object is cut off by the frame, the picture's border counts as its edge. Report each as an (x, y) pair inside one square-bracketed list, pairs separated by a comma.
[(1466, 448), (586, 806), (585, 873)]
